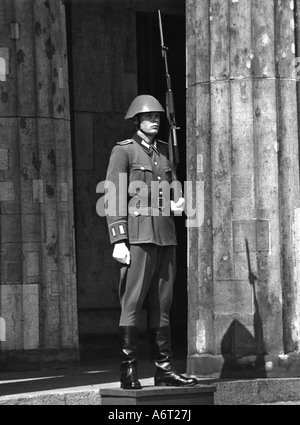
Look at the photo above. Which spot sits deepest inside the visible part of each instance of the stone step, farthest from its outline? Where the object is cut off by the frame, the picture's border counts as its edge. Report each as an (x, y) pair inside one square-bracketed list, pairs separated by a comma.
[(257, 391)]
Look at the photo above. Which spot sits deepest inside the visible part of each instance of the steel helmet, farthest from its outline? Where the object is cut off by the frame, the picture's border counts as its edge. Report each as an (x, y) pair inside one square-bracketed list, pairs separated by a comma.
[(141, 104)]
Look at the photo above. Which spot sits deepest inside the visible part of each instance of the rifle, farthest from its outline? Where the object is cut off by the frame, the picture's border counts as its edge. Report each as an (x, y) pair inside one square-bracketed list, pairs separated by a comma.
[(170, 111), (252, 277)]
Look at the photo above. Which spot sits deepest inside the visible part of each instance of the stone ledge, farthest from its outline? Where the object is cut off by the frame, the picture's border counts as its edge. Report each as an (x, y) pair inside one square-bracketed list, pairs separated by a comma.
[(258, 391), (65, 398)]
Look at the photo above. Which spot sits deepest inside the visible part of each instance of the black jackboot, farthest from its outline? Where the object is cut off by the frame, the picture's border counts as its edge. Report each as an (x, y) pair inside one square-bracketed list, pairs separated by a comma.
[(162, 357), (128, 367)]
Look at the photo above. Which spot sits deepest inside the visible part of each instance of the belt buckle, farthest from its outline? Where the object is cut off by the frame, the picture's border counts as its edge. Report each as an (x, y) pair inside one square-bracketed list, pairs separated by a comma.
[(161, 201)]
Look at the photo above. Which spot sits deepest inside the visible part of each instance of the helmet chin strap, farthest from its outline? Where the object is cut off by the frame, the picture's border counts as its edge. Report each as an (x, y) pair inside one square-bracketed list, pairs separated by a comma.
[(136, 121), (138, 126)]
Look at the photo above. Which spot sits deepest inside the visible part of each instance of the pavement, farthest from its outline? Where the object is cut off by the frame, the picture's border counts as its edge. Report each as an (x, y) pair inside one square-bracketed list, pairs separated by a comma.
[(78, 385)]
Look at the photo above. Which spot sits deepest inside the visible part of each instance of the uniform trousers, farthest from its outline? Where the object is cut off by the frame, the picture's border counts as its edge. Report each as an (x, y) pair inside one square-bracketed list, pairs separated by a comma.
[(151, 271)]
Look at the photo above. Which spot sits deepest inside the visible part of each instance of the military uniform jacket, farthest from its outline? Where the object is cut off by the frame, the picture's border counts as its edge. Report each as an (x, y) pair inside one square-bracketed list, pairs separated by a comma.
[(137, 171)]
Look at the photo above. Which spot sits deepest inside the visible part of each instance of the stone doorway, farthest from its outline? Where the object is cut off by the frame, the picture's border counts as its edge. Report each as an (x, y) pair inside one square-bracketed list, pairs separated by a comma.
[(109, 49)]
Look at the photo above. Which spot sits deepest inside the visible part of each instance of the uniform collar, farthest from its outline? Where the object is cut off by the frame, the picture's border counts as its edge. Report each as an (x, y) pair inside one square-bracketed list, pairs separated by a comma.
[(147, 147)]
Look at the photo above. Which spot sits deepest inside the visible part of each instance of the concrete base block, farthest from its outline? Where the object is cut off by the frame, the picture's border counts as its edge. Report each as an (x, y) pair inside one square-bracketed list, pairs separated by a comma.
[(198, 395)]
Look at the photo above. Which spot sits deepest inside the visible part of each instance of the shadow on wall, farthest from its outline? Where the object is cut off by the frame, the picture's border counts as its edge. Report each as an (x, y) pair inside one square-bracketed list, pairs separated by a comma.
[(244, 354)]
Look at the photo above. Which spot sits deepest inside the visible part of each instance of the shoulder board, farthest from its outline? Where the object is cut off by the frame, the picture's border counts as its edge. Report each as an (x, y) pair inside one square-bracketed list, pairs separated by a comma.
[(125, 142), (161, 141)]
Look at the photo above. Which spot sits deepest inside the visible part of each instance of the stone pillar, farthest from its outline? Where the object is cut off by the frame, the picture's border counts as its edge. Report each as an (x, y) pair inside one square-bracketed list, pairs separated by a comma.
[(243, 144), (38, 285)]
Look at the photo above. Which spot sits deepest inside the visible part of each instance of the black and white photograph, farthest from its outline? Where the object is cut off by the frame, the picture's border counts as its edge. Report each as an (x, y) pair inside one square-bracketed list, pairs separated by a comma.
[(150, 205)]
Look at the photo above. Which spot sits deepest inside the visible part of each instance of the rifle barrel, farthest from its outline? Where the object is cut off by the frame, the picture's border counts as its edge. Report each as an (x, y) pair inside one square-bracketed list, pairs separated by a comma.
[(160, 29), (170, 110)]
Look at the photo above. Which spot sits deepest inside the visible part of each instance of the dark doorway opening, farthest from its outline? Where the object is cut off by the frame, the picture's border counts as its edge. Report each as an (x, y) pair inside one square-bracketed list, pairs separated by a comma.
[(152, 80), (96, 31)]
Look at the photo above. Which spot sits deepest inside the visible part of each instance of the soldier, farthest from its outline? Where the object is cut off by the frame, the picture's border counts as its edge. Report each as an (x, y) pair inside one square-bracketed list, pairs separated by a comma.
[(144, 238)]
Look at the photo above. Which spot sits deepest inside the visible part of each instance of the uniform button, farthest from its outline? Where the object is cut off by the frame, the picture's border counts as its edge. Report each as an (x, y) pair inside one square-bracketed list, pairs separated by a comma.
[(136, 213), (142, 168), (155, 163), (159, 178)]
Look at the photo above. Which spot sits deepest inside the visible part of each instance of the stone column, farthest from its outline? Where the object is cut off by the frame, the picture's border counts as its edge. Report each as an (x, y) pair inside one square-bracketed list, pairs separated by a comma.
[(38, 285), (243, 144)]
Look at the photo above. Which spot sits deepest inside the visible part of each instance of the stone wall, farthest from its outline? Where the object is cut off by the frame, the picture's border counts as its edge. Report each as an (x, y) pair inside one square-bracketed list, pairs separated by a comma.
[(38, 298)]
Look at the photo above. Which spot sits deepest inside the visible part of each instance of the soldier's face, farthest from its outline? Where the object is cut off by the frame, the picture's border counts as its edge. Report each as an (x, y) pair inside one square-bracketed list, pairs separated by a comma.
[(149, 123)]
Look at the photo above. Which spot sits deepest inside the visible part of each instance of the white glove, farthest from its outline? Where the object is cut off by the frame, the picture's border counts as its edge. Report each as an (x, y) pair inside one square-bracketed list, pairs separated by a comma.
[(121, 253), (178, 207)]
